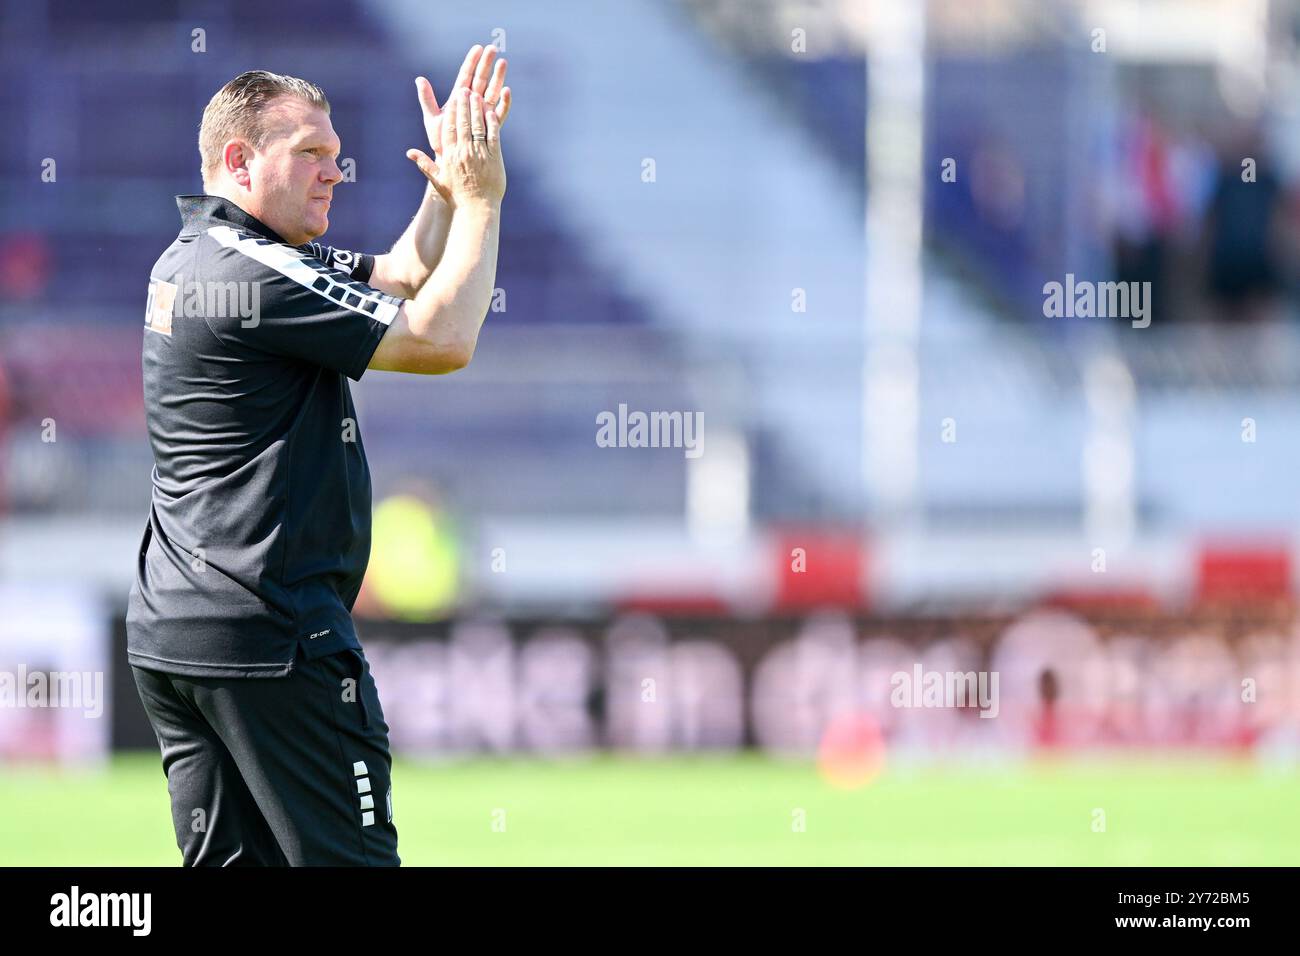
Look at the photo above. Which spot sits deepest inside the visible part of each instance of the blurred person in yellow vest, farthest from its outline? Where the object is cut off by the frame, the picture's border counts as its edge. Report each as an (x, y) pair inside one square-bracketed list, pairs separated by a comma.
[(414, 572)]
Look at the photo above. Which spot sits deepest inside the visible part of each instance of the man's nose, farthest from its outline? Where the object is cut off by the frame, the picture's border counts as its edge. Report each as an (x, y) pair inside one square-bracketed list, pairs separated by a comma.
[(331, 173)]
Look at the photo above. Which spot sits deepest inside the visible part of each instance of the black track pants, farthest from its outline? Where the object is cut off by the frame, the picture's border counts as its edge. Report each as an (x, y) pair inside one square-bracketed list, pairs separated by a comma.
[(280, 771)]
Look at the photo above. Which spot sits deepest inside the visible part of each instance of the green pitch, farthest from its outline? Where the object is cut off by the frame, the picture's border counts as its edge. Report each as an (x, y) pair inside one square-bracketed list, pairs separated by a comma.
[(741, 810)]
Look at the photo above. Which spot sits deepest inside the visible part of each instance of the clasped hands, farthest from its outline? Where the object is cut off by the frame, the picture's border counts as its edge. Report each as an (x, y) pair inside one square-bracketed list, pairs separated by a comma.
[(464, 132)]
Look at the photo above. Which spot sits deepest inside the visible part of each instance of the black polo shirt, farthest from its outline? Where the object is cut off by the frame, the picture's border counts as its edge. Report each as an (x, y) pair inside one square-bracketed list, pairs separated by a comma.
[(259, 527)]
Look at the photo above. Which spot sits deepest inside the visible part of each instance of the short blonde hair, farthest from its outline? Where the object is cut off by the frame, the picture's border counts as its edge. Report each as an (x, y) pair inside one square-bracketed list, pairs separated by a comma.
[(238, 111)]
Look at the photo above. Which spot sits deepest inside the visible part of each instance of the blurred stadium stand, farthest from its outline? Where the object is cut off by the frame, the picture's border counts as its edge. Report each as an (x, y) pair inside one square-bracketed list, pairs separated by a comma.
[(674, 293), (679, 175)]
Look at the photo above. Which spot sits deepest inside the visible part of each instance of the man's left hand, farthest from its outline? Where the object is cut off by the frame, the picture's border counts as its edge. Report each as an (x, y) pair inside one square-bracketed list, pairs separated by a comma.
[(477, 73)]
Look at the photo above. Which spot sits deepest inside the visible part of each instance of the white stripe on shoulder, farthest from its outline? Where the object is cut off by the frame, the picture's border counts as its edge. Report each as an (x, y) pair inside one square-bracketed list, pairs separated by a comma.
[(293, 264)]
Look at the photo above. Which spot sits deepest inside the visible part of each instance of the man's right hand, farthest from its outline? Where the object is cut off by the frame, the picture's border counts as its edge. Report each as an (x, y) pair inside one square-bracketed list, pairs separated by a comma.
[(476, 73), (470, 168)]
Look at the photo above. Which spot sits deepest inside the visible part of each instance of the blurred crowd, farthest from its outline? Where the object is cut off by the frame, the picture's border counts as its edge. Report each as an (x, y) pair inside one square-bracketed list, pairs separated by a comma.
[(1205, 216)]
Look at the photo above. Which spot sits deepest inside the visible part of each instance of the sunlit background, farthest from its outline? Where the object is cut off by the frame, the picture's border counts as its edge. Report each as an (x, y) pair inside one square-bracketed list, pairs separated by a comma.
[(838, 247)]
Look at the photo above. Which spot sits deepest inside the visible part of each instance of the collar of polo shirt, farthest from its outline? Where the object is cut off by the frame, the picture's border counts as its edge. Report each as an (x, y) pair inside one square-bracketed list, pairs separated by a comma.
[(196, 210)]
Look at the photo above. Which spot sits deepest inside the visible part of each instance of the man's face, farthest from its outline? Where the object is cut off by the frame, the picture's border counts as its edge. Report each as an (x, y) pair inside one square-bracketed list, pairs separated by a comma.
[(291, 179)]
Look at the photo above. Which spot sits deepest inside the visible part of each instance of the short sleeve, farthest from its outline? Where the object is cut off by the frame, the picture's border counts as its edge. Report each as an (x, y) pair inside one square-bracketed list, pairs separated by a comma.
[(358, 265), (307, 308)]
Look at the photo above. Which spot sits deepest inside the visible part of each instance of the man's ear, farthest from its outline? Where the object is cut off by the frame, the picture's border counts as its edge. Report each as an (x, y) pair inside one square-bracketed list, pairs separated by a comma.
[(235, 157)]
